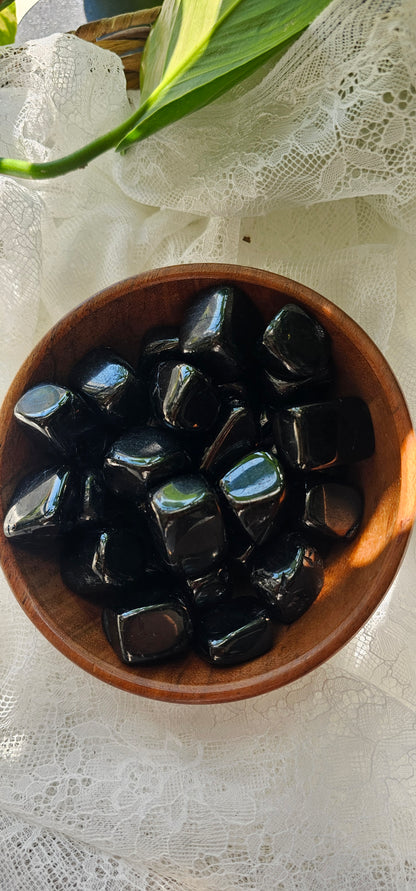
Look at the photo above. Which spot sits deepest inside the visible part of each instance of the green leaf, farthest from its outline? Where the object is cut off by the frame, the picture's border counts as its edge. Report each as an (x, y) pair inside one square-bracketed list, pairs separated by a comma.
[(198, 49), (8, 22)]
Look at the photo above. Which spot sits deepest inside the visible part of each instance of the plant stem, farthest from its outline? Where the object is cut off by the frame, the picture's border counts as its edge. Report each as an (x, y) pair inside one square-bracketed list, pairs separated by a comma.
[(74, 161)]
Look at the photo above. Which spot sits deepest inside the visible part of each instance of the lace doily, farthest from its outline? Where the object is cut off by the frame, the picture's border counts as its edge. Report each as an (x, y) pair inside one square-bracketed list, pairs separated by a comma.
[(308, 170)]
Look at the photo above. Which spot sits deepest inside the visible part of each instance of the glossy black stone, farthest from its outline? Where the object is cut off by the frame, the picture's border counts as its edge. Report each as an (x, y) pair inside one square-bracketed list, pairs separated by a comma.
[(158, 344), (298, 485), (235, 391), (294, 345), (93, 448), (100, 564), (110, 386), (234, 435), (183, 397), (55, 416), (333, 510), (265, 423), (187, 525), (234, 632), (325, 434), (291, 516), (154, 625), (289, 574), (124, 514), (241, 546), (120, 513), (278, 392), (254, 489), (142, 458), (91, 510), (220, 330), (210, 589), (42, 506)]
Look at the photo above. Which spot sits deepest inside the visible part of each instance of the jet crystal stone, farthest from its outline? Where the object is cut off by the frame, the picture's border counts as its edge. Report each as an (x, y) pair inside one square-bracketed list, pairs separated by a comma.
[(187, 525), (234, 632), (254, 489)]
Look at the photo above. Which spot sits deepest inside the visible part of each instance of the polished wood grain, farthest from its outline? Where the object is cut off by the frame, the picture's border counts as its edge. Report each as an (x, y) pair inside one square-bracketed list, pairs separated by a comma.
[(357, 576)]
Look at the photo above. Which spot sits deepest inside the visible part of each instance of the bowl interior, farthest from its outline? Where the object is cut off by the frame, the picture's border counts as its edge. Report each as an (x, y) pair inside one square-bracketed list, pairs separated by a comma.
[(357, 575)]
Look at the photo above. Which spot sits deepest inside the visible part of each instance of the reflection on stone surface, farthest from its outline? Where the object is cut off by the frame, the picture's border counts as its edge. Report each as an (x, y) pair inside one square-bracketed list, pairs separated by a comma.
[(111, 387), (241, 546), (56, 416), (142, 458), (333, 510), (324, 434), (294, 345), (235, 391), (91, 508), (234, 632), (187, 525), (278, 392), (183, 397), (289, 574), (254, 489), (42, 505), (234, 435), (209, 589), (99, 564), (153, 625), (219, 332), (158, 344)]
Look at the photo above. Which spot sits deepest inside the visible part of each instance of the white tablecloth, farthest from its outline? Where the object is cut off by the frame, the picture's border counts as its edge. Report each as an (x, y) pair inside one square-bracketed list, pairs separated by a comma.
[(312, 786)]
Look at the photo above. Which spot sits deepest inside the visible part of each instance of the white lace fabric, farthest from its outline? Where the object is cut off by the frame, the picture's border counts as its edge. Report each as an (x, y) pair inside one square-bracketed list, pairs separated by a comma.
[(308, 170)]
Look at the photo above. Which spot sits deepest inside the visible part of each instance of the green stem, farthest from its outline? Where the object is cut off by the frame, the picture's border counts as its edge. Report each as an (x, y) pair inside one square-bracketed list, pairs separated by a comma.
[(74, 161)]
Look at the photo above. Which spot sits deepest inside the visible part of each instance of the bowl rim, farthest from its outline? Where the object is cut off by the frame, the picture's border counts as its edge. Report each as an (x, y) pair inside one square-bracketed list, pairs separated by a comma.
[(334, 641)]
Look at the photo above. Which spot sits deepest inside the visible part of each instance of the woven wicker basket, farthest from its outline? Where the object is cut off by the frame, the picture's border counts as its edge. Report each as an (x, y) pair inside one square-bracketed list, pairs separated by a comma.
[(125, 35)]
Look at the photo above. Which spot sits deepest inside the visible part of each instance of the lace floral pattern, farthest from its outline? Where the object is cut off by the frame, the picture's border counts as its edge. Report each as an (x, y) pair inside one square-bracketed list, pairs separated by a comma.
[(308, 170)]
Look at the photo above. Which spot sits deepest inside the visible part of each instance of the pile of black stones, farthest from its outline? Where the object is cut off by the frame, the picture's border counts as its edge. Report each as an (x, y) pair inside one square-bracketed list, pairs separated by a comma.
[(220, 466)]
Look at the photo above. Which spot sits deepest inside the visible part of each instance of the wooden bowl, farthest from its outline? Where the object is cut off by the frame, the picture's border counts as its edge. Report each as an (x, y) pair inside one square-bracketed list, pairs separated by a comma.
[(358, 575)]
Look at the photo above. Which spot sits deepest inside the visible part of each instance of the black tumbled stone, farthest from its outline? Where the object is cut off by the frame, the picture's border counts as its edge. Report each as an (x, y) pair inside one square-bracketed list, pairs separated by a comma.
[(324, 434), (158, 344), (234, 632), (241, 546), (265, 422), (254, 489), (91, 504), (298, 486), (333, 510), (294, 345), (56, 416), (101, 564), (92, 449), (278, 392), (183, 397), (42, 505), (234, 435), (235, 391), (209, 589), (187, 525), (110, 386), (142, 458), (219, 331), (154, 625), (289, 574)]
